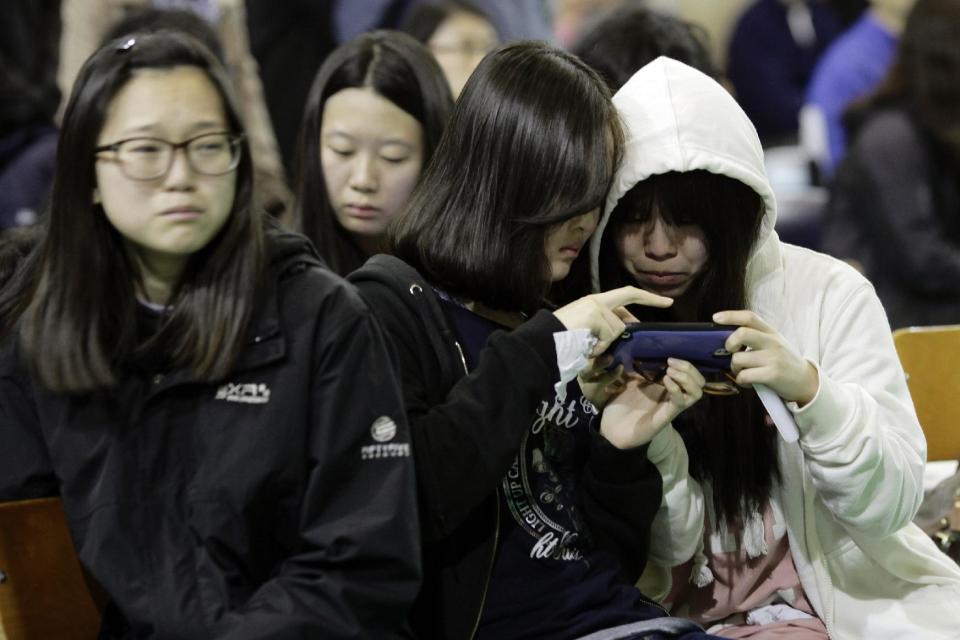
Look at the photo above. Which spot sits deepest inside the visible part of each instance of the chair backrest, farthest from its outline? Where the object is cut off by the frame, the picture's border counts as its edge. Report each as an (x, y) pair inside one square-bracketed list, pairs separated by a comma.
[(931, 359), (42, 590)]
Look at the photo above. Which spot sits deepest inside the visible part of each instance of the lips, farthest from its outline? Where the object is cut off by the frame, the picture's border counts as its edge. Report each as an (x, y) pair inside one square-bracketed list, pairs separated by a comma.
[(570, 251), (182, 211), (362, 211), (663, 278)]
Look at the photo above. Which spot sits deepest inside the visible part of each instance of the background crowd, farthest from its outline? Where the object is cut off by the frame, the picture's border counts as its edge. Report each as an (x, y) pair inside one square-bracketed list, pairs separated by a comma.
[(286, 290)]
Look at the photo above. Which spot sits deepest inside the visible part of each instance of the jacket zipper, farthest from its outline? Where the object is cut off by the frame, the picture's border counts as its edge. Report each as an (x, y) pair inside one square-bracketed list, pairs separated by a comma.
[(463, 360), (493, 556), (496, 529)]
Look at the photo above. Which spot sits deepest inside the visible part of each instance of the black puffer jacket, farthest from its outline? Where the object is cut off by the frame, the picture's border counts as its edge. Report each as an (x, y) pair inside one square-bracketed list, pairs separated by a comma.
[(278, 503)]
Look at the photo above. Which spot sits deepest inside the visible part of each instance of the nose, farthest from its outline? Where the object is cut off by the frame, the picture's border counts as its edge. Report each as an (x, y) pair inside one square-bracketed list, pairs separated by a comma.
[(586, 223), (180, 175), (364, 176), (658, 241)]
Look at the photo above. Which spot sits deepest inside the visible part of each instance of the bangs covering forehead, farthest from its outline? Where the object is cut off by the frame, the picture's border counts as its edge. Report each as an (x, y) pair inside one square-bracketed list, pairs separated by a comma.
[(679, 198), (707, 200), (534, 140), (576, 180), (554, 122)]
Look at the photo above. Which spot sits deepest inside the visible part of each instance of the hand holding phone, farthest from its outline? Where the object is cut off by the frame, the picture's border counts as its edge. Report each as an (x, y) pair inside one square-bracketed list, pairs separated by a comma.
[(644, 348), (647, 345)]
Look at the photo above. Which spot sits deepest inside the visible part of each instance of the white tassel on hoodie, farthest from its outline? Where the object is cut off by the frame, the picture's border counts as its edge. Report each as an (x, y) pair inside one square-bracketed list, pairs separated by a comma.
[(754, 542), (753, 539)]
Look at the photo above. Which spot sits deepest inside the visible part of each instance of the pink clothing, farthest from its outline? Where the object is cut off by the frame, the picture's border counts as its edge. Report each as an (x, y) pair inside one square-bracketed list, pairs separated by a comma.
[(744, 585)]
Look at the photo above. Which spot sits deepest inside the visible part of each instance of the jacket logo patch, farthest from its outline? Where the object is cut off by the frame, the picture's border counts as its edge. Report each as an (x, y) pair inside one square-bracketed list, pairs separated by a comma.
[(383, 430), (374, 451), (245, 392)]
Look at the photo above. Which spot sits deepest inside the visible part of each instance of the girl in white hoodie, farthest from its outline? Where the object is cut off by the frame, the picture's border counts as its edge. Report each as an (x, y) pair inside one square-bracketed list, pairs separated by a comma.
[(756, 536)]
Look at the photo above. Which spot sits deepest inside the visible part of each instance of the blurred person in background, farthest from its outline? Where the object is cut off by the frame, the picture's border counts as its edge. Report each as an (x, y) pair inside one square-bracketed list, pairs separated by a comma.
[(618, 43), (375, 113), (29, 97), (458, 35), (895, 203), (851, 67), (773, 49)]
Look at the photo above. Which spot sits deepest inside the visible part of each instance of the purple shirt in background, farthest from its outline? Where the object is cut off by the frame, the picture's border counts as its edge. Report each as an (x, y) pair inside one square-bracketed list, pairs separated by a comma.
[(850, 68)]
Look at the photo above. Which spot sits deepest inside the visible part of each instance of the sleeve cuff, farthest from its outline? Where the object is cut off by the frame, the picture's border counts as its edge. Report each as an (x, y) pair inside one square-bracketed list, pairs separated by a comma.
[(821, 419), (538, 333), (617, 466), (663, 444)]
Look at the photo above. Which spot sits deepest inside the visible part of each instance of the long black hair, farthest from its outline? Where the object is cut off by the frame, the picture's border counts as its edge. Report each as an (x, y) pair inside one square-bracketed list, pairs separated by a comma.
[(396, 67), (727, 438), (534, 140), (76, 305)]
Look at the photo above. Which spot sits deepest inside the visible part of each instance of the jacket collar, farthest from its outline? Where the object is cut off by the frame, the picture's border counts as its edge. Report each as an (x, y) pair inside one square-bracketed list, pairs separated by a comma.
[(287, 253), (419, 298)]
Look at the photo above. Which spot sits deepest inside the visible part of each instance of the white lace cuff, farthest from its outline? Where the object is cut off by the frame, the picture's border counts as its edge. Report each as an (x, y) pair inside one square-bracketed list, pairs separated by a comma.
[(573, 356)]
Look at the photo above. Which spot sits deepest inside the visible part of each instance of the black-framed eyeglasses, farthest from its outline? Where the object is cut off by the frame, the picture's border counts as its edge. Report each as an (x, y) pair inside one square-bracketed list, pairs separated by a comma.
[(209, 154)]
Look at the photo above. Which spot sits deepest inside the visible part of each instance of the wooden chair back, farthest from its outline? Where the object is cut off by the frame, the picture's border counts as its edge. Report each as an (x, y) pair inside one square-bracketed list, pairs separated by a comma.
[(43, 594), (931, 359)]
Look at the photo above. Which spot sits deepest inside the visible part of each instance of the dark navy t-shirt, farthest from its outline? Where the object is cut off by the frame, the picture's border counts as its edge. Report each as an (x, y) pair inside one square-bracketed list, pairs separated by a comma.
[(549, 578)]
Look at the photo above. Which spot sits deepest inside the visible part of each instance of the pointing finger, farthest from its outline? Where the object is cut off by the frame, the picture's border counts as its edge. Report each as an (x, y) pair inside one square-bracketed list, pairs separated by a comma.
[(632, 295)]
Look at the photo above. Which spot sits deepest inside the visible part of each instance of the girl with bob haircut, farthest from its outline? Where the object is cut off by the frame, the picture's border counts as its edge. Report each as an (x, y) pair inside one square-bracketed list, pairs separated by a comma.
[(194, 386), (763, 535), (373, 117), (532, 503)]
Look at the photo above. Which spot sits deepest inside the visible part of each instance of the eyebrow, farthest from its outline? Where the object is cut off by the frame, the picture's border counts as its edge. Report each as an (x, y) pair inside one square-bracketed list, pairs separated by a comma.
[(385, 142), (150, 127), (398, 143)]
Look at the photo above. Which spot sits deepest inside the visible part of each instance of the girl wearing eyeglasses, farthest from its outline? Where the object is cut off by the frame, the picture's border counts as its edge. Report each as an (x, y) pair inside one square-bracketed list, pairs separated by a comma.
[(806, 539), (196, 387)]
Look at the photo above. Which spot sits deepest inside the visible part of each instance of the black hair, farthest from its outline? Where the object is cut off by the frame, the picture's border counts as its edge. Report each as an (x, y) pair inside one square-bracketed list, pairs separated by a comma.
[(76, 308), (622, 41), (425, 18), (396, 67), (152, 20), (534, 140), (16, 244), (924, 76), (727, 439)]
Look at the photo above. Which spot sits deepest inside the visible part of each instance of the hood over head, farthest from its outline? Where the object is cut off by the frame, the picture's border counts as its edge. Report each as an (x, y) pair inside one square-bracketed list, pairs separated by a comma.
[(676, 118)]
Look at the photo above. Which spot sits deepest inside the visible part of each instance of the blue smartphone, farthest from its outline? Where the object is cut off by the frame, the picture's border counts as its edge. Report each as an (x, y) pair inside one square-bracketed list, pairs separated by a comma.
[(645, 346)]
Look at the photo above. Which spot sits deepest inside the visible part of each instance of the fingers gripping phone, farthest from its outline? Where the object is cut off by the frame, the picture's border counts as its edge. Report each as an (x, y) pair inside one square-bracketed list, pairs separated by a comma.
[(645, 346)]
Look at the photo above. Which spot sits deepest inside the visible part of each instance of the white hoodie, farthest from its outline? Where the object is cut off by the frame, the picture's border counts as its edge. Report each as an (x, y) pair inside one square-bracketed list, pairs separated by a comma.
[(852, 483)]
